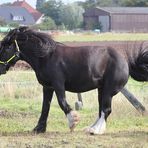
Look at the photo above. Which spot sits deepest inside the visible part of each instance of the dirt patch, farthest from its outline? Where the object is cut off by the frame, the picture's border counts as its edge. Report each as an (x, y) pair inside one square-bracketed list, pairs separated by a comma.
[(76, 139), (117, 44), (8, 114)]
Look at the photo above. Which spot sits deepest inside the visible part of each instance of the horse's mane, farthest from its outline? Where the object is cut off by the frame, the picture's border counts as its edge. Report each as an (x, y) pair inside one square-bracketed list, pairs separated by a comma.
[(42, 42)]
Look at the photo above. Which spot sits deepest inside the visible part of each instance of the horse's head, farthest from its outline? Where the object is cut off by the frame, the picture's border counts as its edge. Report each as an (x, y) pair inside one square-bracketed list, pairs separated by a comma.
[(33, 45), (9, 50)]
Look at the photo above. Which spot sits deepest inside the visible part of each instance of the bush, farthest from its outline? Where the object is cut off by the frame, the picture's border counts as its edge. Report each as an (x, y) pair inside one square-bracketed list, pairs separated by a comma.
[(13, 24), (2, 22), (47, 24)]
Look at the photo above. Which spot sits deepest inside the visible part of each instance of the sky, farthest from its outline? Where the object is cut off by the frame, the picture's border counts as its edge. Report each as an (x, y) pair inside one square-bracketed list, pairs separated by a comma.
[(33, 2)]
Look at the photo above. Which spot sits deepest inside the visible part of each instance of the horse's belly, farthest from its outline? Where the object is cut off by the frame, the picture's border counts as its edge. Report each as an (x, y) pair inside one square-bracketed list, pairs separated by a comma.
[(81, 87)]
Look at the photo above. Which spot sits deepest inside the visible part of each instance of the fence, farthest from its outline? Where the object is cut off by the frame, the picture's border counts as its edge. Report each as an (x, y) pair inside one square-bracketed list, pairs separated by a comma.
[(23, 85)]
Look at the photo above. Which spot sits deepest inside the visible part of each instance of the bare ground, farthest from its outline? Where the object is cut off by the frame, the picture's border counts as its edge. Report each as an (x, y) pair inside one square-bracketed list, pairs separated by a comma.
[(116, 44), (77, 139), (54, 138)]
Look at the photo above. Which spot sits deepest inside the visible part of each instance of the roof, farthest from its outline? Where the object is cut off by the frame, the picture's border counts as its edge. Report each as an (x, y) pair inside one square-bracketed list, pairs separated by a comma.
[(36, 14), (132, 10), (7, 12)]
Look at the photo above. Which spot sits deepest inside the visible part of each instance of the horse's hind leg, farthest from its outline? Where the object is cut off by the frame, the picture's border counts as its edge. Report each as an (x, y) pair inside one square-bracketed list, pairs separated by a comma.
[(99, 126), (114, 80)]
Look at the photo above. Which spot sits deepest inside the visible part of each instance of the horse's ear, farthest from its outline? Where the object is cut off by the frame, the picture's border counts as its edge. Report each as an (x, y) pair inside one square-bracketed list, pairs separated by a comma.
[(23, 29)]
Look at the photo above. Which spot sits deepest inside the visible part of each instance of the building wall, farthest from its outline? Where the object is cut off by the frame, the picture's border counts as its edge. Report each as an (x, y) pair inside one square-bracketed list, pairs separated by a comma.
[(91, 17), (129, 22), (119, 22), (90, 21)]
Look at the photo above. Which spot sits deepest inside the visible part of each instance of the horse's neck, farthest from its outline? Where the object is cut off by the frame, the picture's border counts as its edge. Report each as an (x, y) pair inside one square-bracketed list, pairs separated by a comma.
[(33, 62)]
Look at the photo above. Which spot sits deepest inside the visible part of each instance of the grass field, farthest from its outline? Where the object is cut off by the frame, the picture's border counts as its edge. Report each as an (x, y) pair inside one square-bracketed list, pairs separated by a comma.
[(85, 37), (102, 37), (20, 106)]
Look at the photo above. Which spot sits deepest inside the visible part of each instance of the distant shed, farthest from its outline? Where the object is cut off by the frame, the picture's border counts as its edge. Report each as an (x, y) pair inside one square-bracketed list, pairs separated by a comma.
[(119, 19)]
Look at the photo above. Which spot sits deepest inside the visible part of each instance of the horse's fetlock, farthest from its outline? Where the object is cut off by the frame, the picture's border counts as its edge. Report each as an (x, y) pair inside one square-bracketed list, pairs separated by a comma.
[(107, 112)]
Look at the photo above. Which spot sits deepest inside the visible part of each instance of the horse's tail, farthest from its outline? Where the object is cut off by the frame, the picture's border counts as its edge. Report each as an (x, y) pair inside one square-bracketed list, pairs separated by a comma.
[(139, 66)]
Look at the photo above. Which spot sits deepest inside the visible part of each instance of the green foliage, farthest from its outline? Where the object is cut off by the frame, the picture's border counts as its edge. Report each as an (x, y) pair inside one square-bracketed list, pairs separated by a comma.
[(89, 4), (65, 16), (135, 3), (113, 3), (14, 24), (52, 9), (39, 4), (100, 3), (47, 24), (95, 25), (2, 22), (71, 16)]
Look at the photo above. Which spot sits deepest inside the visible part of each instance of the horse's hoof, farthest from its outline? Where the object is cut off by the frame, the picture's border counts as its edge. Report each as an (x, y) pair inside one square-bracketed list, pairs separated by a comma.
[(73, 119), (78, 105), (93, 131), (38, 130)]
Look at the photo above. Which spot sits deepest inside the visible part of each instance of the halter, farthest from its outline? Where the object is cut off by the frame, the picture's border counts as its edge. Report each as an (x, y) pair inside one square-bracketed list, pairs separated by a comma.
[(14, 56)]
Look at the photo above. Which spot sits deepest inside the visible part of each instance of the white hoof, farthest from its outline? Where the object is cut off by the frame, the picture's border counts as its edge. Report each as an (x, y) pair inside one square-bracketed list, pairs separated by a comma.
[(94, 131), (99, 127)]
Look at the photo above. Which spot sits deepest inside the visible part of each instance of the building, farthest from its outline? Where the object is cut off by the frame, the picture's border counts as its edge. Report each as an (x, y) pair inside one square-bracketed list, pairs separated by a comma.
[(35, 13), (119, 19), (20, 12), (16, 14)]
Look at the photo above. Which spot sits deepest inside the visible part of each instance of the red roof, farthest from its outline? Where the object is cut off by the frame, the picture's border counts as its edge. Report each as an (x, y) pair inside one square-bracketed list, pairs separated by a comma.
[(36, 14)]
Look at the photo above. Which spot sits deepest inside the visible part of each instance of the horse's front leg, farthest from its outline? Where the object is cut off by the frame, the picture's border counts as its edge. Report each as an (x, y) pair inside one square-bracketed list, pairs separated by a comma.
[(42, 123), (71, 115)]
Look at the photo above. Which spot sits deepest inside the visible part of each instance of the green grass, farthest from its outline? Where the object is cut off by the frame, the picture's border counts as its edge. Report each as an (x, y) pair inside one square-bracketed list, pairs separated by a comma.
[(23, 100), (125, 130), (87, 37), (102, 37)]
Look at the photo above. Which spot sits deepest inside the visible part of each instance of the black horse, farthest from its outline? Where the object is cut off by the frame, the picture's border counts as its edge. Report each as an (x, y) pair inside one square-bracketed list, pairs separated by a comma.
[(76, 69)]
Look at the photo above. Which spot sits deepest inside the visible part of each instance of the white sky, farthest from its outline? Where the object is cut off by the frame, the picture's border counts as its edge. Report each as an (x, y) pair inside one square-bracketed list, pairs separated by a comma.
[(33, 2)]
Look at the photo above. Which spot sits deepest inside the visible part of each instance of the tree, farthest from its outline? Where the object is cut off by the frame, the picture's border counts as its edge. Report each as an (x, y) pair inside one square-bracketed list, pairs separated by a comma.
[(113, 3), (135, 3), (71, 16), (88, 4), (2, 22), (52, 9), (47, 24), (14, 24), (39, 4)]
